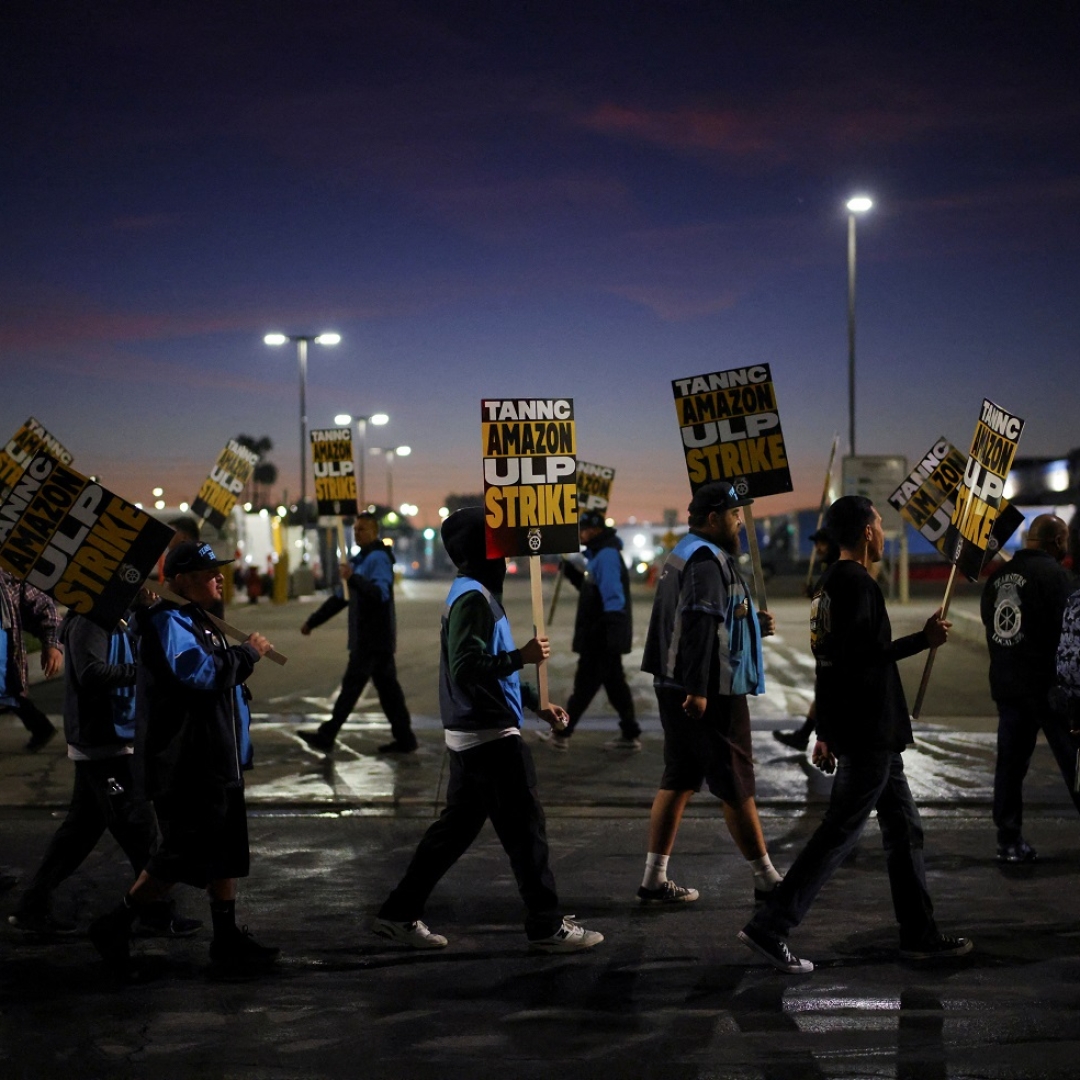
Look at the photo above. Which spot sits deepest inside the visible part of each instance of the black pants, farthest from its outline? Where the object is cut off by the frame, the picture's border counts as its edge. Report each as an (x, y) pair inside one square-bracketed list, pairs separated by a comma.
[(101, 800), (865, 782), (596, 668), (33, 719), (496, 781), (1019, 722), (382, 671)]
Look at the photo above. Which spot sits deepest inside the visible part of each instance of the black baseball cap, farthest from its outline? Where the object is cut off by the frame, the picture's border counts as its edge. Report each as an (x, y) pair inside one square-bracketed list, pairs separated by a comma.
[(192, 555), (592, 519), (718, 495)]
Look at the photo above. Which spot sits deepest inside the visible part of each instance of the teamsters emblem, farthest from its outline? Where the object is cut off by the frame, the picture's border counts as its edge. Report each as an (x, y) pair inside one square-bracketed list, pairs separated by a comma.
[(1007, 619), (534, 540), (129, 574), (742, 487)]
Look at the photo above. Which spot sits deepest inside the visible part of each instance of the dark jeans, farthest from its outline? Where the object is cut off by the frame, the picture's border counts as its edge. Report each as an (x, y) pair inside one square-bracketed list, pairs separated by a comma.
[(597, 668), (96, 805), (382, 671), (864, 782), (1019, 722), (33, 719), (496, 781)]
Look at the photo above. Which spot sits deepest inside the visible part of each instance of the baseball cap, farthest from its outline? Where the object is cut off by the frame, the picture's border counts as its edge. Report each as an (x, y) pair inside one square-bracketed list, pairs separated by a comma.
[(192, 555), (821, 534), (592, 519), (718, 495)]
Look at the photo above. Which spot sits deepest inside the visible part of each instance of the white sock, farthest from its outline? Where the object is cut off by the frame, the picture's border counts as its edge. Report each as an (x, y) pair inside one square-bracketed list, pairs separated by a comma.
[(765, 875), (655, 870)]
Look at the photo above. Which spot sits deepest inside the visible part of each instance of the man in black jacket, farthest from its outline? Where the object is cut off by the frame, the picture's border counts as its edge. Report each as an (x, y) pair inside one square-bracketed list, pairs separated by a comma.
[(863, 728), (1023, 602), (192, 745), (603, 632), (369, 580)]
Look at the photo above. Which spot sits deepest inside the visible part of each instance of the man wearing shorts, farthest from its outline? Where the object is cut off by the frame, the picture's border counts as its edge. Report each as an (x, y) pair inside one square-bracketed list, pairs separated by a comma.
[(703, 650), (192, 745)]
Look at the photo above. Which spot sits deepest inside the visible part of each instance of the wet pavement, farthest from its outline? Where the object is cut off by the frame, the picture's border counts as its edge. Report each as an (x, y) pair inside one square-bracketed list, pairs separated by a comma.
[(669, 994)]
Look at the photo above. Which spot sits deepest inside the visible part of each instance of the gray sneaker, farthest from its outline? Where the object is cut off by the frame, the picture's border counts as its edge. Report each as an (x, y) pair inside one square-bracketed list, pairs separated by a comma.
[(414, 934), (570, 937), (667, 893), (624, 744)]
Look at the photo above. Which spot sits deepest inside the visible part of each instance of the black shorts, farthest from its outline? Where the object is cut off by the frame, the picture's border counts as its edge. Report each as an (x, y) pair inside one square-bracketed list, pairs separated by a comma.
[(204, 836), (715, 750)]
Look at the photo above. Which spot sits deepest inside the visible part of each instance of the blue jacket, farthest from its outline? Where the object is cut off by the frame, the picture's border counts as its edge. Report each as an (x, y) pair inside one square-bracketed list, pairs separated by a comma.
[(372, 619), (192, 723), (703, 634), (603, 622)]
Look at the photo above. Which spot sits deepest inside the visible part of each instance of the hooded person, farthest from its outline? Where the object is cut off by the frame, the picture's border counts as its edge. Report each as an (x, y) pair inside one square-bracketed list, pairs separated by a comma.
[(482, 701), (603, 631)]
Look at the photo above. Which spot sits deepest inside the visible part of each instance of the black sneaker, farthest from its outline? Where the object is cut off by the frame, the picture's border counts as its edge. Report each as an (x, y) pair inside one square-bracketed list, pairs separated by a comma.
[(667, 893), (316, 740), (1020, 851), (41, 922), (775, 950), (238, 953), (396, 747), (937, 947), (40, 738), (796, 740), (111, 936), (159, 919)]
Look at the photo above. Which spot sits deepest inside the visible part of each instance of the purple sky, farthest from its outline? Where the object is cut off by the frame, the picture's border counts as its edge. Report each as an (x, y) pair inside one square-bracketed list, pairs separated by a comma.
[(559, 199)]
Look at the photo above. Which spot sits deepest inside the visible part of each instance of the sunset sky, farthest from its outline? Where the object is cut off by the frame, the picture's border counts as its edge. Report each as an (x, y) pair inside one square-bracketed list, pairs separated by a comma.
[(565, 199)]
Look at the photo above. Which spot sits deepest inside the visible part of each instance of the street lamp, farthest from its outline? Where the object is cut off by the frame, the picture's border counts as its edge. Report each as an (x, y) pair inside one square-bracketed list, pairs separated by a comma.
[(301, 356), (378, 419), (389, 453), (859, 204)]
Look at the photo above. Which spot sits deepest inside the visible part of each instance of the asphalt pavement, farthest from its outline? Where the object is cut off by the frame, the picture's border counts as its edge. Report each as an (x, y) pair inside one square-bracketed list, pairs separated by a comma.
[(668, 994)]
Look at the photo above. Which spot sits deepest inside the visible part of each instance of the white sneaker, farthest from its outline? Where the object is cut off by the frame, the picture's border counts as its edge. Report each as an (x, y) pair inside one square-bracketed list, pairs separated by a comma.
[(568, 938), (416, 934), (623, 743)]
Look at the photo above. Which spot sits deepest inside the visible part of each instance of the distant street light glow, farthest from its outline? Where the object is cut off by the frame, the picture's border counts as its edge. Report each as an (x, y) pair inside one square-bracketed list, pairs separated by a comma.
[(859, 204)]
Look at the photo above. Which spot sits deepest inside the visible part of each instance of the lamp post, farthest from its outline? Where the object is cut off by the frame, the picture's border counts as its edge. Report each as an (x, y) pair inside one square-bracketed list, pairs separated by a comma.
[(378, 419), (302, 341), (389, 453), (859, 204)]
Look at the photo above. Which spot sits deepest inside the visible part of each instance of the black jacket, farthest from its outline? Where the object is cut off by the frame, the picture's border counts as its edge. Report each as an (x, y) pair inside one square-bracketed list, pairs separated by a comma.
[(191, 715), (1022, 606), (90, 682), (860, 699)]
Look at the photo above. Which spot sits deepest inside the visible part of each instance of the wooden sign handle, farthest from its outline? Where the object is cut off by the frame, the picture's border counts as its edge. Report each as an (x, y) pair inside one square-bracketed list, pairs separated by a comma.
[(755, 559), (228, 630), (538, 626), (933, 652)]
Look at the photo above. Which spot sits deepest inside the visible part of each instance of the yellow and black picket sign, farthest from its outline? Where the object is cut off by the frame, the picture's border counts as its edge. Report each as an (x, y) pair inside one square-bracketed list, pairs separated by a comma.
[(978, 507), (227, 478), (594, 484), (22, 447), (927, 499), (335, 471), (70, 537), (730, 428), (530, 487)]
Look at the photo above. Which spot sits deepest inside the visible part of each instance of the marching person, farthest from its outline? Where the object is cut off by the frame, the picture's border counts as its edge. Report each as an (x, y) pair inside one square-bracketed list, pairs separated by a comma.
[(703, 650), (491, 770), (99, 724), (1022, 606), (863, 728), (22, 607), (192, 745), (368, 577), (603, 632)]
